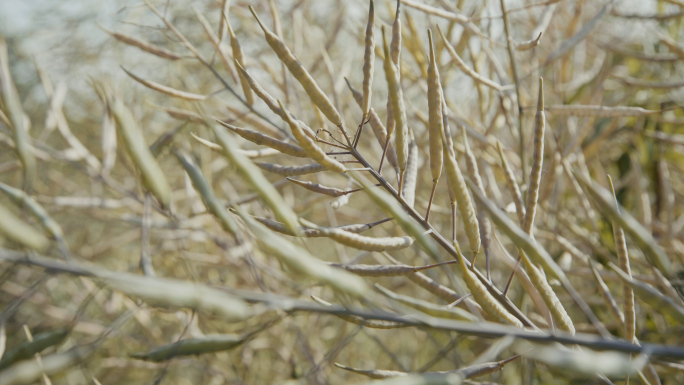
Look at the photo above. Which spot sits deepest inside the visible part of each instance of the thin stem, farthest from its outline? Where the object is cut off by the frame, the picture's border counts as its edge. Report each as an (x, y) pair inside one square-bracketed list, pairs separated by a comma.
[(382, 158), (516, 80), (432, 195)]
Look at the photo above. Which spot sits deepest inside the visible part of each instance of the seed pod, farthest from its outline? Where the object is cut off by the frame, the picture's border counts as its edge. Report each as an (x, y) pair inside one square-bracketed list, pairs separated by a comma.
[(623, 262), (411, 174), (464, 67), (211, 203), (165, 89), (265, 140), (395, 53), (368, 61), (379, 129), (651, 295), (28, 349), (607, 296), (465, 205), (143, 45), (237, 55), (130, 134), (314, 233), (23, 199), (290, 170), (304, 263), (300, 73), (11, 102), (32, 371), (371, 323), (512, 185), (599, 111), (485, 225), (560, 316), (270, 101), (375, 374), (319, 188), (397, 97), (220, 48), (436, 126), (482, 295), (368, 243), (429, 308), (310, 147), (191, 347), (642, 237), (537, 160), (256, 179)]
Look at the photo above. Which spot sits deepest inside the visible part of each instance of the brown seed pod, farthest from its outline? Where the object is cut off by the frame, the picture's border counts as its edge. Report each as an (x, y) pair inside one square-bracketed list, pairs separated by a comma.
[(143, 45), (265, 140), (319, 188), (465, 204), (436, 123), (165, 89), (512, 185), (623, 262), (482, 295), (560, 316), (537, 160), (368, 61), (310, 146), (397, 97), (290, 170), (300, 73), (237, 55)]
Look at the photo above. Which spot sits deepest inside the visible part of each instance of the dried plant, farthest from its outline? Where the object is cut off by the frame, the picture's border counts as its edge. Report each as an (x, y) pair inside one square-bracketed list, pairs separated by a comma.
[(157, 233)]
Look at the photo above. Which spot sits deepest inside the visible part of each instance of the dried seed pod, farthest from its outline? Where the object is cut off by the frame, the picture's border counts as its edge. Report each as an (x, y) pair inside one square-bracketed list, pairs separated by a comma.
[(211, 203), (623, 262), (436, 126), (265, 140), (130, 134), (300, 73), (192, 347), (47, 366), (599, 111), (238, 57), (537, 160), (651, 295), (379, 129), (23, 199), (482, 295), (165, 89), (467, 70), (375, 374), (301, 261), (218, 45), (395, 53), (529, 44), (11, 102), (482, 218), (314, 233), (310, 146), (143, 45), (319, 188), (256, 179), (371, 323), (181, 114), (368, 61), (291, 170), (382, 270), (642, 237), (411, 175), (397, 97), (512, 185), (560, 316), (16, 230), (429, 308), (367, 243), (465, 205)]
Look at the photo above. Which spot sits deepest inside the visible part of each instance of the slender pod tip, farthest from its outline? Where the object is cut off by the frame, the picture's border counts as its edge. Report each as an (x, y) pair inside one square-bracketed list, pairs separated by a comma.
[(540, 100), (612, 189), (432, 49), (263, 27)]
